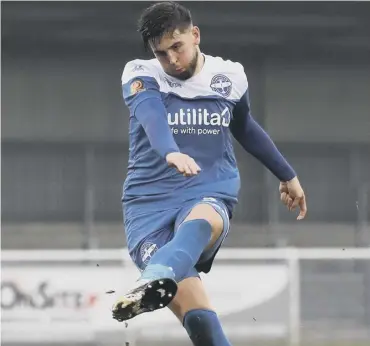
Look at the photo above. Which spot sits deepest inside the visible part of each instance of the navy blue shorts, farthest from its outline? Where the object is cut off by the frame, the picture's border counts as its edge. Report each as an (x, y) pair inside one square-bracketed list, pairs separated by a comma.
[(159, 230)]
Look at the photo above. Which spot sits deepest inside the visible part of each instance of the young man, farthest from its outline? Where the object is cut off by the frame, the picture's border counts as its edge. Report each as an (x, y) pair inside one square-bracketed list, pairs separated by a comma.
[(183, 180)]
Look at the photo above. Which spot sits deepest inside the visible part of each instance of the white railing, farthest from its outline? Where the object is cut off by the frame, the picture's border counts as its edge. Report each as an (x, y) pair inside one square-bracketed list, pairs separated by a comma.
[(291, 256), (224, 254)]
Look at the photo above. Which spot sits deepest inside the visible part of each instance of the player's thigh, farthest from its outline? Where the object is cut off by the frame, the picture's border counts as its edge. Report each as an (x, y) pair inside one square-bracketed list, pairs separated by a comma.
[(190, 295), (207, 212)]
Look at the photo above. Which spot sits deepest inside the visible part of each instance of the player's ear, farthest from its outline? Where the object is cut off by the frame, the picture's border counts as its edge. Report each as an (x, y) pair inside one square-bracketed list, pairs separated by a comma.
[(196, 35)]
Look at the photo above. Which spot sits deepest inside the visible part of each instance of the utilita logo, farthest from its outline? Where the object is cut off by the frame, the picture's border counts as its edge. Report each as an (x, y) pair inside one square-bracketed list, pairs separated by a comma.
[(43, 297), (198, 121), (192, 117)]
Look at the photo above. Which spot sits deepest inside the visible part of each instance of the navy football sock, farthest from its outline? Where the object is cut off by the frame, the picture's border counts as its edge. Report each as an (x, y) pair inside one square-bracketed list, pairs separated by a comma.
[(204, 328), (177, 257)]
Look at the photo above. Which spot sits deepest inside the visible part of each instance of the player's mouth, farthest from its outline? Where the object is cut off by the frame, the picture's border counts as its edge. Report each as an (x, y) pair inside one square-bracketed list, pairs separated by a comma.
[(180, 69)]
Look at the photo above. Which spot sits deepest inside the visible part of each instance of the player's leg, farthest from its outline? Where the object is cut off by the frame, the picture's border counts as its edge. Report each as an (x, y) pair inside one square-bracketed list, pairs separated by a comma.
[(191, 304), (156, 287), (192, 307), (200, 226)]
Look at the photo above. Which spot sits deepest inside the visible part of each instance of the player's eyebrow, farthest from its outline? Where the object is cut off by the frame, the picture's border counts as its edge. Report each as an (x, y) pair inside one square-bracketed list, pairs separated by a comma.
[(157, 51)]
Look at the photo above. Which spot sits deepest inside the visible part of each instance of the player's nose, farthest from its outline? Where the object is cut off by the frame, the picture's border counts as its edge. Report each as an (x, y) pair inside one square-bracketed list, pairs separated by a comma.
[(172, 58)]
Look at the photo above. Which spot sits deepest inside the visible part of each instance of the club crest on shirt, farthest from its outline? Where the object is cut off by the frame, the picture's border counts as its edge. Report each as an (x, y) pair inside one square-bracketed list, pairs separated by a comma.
[(221, 84), (136, 86)]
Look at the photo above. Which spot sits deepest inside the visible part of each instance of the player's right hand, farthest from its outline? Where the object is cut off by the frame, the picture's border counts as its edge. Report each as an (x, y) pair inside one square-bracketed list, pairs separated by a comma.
[(183, 163)]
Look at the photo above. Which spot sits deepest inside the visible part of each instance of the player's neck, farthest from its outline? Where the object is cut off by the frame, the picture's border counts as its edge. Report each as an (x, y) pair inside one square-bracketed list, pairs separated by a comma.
[(200, 63)]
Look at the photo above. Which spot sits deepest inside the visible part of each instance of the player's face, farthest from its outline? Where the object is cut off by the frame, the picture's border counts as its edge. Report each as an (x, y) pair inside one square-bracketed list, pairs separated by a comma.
[(178, 52)]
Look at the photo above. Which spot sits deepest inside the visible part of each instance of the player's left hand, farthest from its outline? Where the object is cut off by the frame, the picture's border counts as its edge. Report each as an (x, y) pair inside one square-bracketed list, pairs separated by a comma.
[(183, 163), (292, 195)]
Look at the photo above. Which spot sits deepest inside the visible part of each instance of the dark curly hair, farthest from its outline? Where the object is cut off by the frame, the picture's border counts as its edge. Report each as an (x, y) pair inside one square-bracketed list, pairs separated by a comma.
[(162, 18)]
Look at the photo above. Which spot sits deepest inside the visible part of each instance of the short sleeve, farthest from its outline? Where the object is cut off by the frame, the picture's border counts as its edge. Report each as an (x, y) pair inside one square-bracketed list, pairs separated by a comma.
[(139, 82)]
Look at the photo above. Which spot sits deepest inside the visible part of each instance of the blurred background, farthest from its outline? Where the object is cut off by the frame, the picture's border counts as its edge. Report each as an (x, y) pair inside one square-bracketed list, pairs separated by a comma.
[(65, 139)]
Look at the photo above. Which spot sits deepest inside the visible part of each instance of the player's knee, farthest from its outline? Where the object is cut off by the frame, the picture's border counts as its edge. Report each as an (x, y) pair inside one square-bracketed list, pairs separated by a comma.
[(204, 328), (208, 213)]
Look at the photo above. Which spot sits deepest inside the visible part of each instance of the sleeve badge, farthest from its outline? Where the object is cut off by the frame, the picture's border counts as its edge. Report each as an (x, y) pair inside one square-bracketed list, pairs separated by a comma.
[(136, 86)]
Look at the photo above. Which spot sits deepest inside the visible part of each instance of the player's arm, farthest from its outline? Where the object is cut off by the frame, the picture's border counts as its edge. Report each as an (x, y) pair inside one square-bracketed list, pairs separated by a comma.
[(142, 96), (258, 143)]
